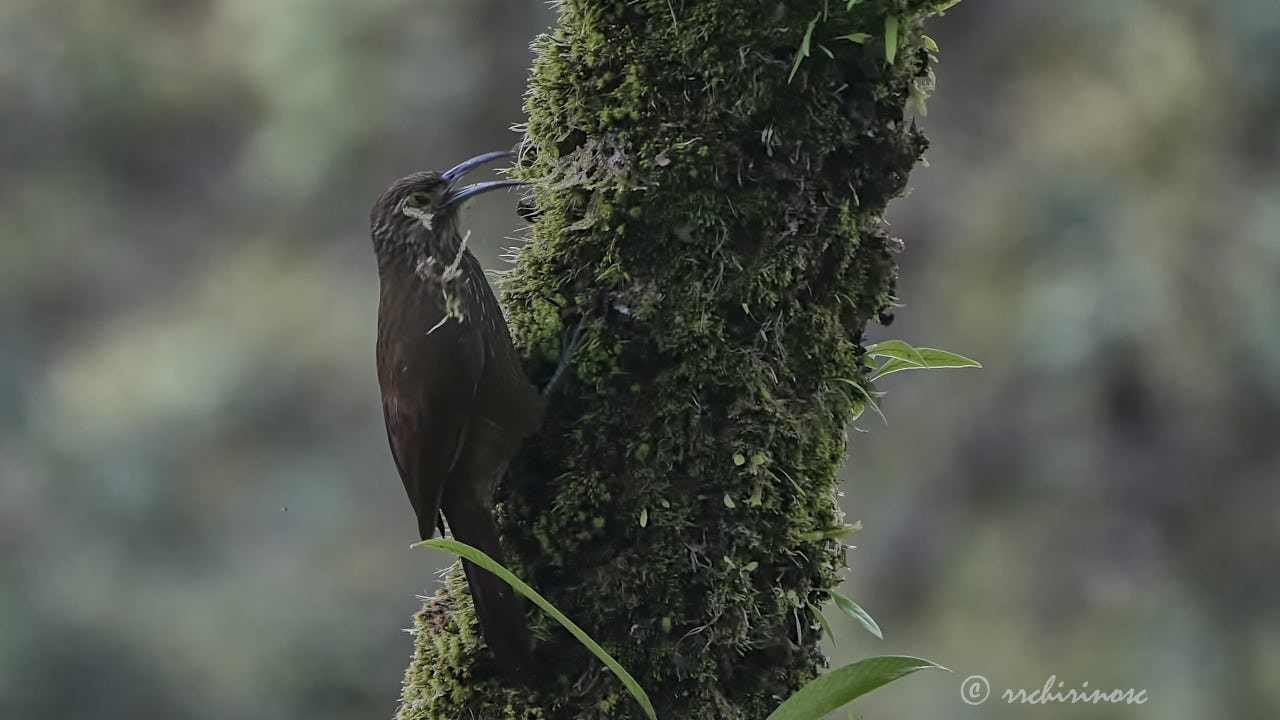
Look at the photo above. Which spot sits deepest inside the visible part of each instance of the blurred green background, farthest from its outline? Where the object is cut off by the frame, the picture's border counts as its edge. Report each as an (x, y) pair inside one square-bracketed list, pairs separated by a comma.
[(199, 517)]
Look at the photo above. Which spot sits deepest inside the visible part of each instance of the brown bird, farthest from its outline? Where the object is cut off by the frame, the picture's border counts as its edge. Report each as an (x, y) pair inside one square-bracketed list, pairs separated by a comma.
[(455, 398)]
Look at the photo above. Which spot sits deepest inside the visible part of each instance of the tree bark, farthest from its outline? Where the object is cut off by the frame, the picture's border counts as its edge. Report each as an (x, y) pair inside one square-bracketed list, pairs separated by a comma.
[(718, 232)]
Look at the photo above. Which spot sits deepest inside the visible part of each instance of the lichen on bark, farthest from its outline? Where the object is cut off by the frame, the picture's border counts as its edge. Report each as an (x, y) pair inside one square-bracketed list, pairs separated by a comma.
[(718, 232)]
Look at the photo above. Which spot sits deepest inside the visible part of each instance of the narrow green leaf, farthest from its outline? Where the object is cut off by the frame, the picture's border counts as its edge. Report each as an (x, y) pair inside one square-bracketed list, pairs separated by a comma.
[(856, 613), (855, 37), (822, 620), (488, 563), (865, 397), (851, 3), (839, 531), (929, 43), (826, 52), (838, 687), (803, 52), (790, 479), (832, 533), (890, 38)]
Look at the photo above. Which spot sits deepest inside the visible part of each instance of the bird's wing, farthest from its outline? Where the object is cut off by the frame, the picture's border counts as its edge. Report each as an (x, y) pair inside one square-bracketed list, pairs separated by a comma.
[(429, 385)]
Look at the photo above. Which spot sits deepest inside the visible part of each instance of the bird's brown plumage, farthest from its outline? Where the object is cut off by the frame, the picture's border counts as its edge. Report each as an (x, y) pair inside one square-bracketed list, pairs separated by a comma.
[(455, 399)]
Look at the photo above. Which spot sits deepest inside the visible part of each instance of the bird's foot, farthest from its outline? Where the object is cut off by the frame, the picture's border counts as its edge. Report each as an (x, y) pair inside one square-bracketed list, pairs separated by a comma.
[(568, 348)]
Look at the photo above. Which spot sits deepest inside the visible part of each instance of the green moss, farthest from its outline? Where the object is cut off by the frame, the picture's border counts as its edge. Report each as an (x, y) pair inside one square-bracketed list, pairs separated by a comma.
[(721, 230)]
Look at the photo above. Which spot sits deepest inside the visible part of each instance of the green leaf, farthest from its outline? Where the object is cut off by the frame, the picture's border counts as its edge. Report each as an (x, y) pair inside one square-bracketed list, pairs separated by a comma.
[(929, 43), (890, 38), (855, 613), (488, 563), (855, 37), (896, 349), (894, 366), (858, 408), (822, 620), (644, 517), (851, 3), (936, 358), (933, 359), (838, 687), (803, 52), (826, 52)]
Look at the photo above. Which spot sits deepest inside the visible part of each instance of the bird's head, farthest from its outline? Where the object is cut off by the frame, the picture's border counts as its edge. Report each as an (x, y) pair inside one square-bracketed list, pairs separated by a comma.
[(426, 203)]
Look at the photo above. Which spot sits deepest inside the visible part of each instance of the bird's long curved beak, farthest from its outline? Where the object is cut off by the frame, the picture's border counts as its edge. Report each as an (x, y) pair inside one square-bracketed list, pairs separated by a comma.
[(454, 195), (457, 171)]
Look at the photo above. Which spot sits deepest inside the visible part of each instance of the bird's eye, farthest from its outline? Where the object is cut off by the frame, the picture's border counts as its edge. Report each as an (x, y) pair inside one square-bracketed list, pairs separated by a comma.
[(421, 200)]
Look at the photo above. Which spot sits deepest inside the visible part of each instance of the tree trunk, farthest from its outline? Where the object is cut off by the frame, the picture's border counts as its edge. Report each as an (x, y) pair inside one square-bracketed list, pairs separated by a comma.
[(718, 231)]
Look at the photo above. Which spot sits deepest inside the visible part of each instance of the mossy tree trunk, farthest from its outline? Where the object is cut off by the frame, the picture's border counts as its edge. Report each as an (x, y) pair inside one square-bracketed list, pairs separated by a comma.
[(720, 229)]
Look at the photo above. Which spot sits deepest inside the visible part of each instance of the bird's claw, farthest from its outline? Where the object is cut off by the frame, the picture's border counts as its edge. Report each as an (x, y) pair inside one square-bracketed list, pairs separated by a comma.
[(576, 339)]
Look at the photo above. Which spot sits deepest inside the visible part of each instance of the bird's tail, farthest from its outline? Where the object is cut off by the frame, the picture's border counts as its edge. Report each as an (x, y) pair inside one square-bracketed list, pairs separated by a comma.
[(498, 607)]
